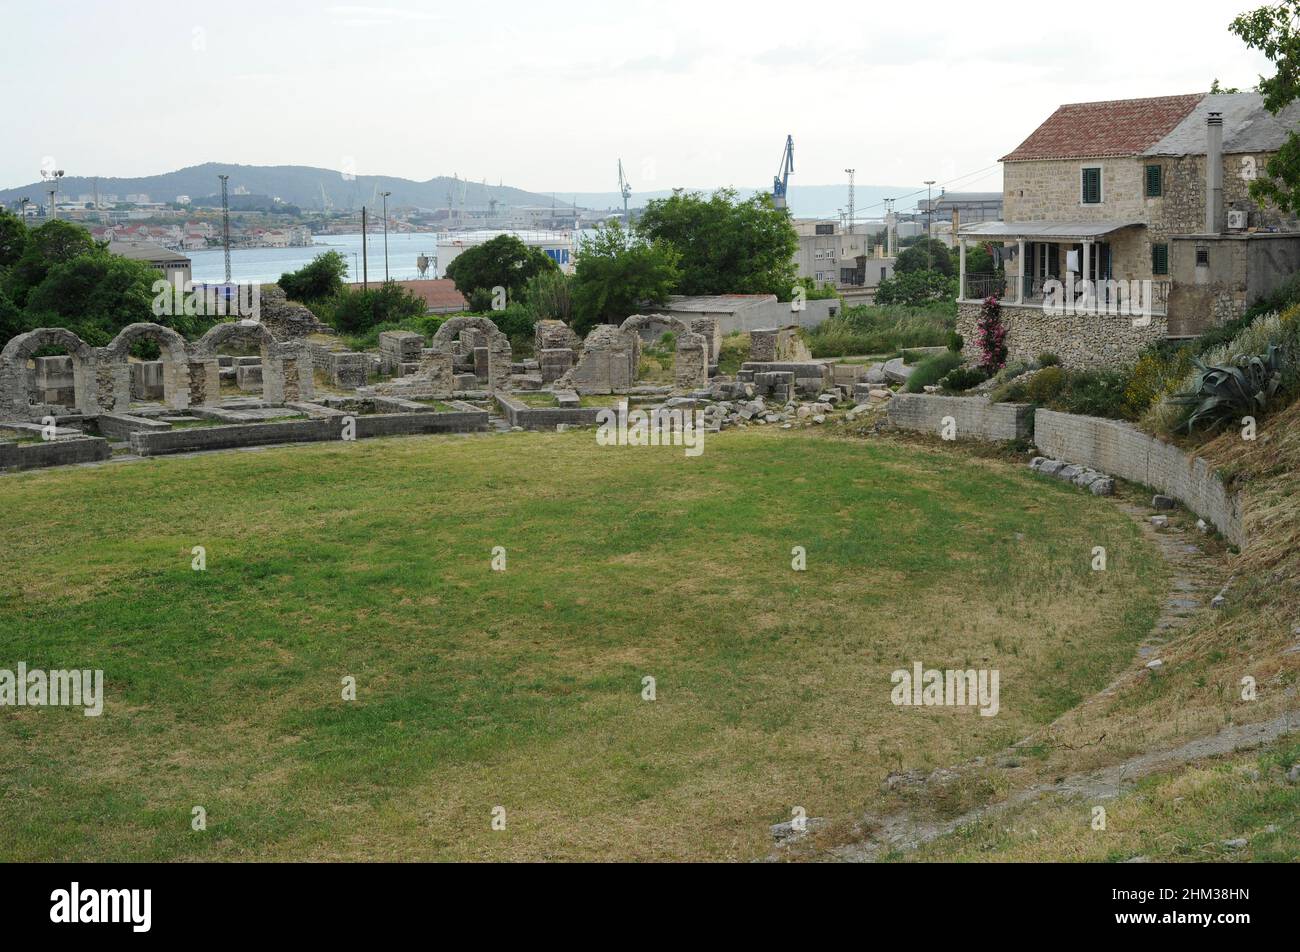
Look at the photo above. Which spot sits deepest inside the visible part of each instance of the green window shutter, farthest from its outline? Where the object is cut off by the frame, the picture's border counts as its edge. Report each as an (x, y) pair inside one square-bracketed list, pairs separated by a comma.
[(1159, 259), (1091, 186), (1154, 185)]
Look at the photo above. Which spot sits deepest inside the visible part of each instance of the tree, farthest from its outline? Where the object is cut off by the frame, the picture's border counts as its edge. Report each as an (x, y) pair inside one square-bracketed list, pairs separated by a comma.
[(1275, 32), (355, 311), (928, 254), (725, 245), (617, 273), (979, 260), (317, 280), (13, 238), (502, 262), (94, 295), (916, 288), (550, 295), (11, 318), (51, 244)]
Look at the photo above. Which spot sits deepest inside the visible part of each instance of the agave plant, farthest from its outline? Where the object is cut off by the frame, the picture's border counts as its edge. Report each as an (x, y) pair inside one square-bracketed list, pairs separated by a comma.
[(1230, 391)]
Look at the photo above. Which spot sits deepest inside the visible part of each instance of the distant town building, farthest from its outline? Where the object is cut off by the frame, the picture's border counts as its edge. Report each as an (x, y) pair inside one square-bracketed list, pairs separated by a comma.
[(170, 263)]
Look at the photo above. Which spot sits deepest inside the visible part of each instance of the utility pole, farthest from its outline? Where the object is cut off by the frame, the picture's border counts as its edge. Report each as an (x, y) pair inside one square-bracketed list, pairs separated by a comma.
[(386, 194), (225, 221), (852, 197), (929, 221), (365, 263)]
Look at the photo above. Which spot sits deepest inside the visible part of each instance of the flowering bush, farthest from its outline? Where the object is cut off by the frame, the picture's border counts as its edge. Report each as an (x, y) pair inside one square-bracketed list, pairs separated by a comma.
[(992, 336)]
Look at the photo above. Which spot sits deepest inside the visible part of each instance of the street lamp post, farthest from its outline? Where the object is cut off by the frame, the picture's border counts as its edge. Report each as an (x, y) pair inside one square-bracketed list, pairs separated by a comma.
[(52, 176), (929, 221), (385, 195)]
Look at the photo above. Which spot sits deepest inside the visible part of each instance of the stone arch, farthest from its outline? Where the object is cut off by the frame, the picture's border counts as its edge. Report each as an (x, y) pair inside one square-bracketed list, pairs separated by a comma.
[(238, 331), (636, 322), (205, 373), (691, 360), (16, 385), (175, 365), (451, 328), (485, 351)]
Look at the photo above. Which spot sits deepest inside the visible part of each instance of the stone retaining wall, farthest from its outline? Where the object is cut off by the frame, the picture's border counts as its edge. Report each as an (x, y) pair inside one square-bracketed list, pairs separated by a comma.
[(87, 449), (1122, 450), (975, 417), (196, 439)]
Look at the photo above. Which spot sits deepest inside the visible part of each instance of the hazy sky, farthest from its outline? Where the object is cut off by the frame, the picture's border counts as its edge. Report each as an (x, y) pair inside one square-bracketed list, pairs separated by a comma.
[(548, 96)]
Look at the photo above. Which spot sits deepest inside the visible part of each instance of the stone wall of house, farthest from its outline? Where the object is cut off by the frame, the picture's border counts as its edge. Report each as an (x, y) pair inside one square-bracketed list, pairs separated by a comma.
[(1050, 190), (974, 418), (1119, 449), (1083, 341), (1181, 208)]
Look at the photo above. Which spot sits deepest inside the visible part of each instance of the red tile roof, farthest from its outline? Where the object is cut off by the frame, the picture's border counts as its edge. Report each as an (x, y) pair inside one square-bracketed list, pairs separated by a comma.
[(1101, 129), (438, 294)]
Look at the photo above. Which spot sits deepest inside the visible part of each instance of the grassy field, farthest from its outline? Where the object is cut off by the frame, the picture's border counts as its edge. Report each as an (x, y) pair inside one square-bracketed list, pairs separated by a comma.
[(523, 688)]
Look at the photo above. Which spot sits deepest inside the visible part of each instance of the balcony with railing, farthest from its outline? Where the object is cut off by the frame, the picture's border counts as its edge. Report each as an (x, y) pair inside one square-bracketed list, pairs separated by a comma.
[(1035, 290)]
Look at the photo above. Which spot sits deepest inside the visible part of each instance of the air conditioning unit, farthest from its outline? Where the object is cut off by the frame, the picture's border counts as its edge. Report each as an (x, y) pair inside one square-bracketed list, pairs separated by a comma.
[(1236, 219)]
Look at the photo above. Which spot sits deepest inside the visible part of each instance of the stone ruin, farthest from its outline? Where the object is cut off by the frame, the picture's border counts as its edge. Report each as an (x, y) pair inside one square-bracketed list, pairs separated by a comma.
[(466, 354), (777, 344), (90, 381), (556, 346), (286, 367), (610, 356), (285, 319)]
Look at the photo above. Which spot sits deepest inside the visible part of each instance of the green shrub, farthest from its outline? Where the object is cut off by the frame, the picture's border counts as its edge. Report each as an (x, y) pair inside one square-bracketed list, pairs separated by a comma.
[(1013, 391), (881, 330), (931, 370), (956, 342), (1045, 386), (1048, 359), (1099, 393), (963, 378)]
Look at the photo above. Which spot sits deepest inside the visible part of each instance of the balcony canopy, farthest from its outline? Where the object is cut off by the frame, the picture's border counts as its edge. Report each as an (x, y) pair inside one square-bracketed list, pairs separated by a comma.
[(1044, 230)]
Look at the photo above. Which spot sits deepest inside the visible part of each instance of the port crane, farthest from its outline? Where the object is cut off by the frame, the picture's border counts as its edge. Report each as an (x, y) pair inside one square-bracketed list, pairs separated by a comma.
[(782, 178), (625, 189)]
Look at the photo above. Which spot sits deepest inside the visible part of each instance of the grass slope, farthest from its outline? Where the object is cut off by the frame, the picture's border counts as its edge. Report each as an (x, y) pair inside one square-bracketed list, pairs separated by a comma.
[(523, 688)]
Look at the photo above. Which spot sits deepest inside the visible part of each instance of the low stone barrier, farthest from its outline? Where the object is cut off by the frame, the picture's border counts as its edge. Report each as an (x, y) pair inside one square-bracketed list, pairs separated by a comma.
[(120, 426), (974, 417), (1123, 450), (200, 438), (521, 415), (88, 449)]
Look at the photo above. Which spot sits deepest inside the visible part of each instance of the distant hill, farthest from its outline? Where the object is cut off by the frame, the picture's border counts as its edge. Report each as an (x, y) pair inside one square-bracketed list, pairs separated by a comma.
[(303, 186), (294, 184)]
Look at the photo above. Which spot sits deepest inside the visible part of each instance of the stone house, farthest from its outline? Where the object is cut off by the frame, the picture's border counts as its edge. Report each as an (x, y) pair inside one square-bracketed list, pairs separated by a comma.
[(1107, 193)]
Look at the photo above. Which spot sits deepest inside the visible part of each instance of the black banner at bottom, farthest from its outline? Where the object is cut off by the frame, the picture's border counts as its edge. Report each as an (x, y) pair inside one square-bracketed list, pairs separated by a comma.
[(143, 902)]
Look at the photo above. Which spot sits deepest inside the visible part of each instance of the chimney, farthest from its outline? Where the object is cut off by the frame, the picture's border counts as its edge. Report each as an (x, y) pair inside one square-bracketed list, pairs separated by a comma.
[(1214, 173)]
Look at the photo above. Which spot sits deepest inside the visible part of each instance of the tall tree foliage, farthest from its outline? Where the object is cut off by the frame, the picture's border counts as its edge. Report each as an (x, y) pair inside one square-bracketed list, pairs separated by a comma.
[(725, 245), (320, 278), (1275, 32), (503, 261), (617, 274)]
